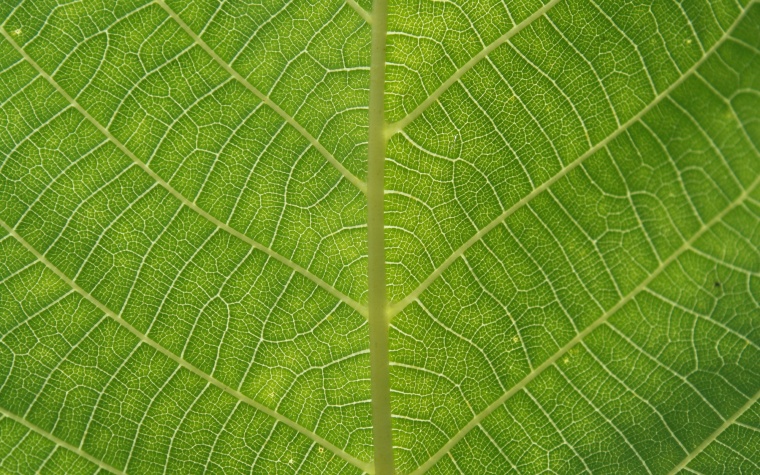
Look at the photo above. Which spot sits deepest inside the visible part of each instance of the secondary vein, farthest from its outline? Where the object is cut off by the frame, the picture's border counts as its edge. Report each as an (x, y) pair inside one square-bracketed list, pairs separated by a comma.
[(726, 424), (399, 306), (181, 361), (580, 336), (265, 99), (361, 11), (361, 309), (59, 442), (400, 124)]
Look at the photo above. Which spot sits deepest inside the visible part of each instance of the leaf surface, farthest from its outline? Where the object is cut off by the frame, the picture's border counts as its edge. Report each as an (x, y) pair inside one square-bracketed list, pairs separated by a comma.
[(568, 206)]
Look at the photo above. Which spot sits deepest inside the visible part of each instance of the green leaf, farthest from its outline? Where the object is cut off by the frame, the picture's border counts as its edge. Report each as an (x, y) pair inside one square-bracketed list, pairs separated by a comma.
[(410, 236)]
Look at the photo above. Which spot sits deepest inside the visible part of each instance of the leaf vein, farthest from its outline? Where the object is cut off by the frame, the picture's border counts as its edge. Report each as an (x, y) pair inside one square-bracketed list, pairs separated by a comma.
[(59, 442), (361, 309), (400, 124), (397, 307), (362, 186), (715, 434), (580, 336), (185, 364)]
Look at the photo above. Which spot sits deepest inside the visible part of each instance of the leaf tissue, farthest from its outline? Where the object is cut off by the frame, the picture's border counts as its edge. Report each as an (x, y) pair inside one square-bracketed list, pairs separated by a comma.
[(380, 236)]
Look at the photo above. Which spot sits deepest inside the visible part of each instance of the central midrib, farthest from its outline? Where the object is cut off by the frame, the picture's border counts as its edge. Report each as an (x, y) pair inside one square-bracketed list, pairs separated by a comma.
[(379, 325), (380, 313)]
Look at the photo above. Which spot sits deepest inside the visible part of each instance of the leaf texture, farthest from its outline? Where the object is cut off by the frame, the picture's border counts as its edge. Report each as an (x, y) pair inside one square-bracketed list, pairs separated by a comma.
[(568, 201)]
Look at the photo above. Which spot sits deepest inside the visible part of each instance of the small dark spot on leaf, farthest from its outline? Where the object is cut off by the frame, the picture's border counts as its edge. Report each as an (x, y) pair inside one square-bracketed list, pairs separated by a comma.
[(717, 284)]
